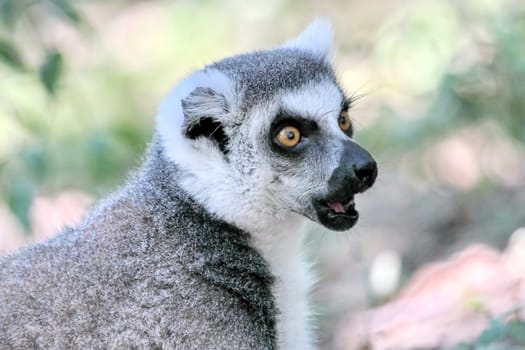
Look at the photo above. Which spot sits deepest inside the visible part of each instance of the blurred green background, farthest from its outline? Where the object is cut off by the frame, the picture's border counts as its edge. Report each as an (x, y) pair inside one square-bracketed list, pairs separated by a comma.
[(441, 87)]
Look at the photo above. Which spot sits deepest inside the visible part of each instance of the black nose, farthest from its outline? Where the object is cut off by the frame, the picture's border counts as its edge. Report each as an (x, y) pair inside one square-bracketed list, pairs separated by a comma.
[(357, 170), (366, 173)]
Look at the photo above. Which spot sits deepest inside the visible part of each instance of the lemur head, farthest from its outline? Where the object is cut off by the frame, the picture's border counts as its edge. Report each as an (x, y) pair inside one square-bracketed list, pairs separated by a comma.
[(264, 136)]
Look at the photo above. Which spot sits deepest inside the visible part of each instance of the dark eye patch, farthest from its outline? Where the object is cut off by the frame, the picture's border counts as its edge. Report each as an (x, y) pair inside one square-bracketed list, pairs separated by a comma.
[(306, 126), (308, 129)]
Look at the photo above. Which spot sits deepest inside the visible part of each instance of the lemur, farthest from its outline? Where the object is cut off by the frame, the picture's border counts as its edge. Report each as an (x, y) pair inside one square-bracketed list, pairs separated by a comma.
[(202, 248)]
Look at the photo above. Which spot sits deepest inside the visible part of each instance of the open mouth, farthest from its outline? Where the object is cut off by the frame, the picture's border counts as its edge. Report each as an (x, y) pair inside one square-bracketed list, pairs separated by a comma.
[(337, 214)]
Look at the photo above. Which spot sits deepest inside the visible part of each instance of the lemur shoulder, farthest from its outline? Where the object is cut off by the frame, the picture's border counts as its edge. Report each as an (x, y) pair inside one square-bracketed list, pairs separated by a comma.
[(202, 248)]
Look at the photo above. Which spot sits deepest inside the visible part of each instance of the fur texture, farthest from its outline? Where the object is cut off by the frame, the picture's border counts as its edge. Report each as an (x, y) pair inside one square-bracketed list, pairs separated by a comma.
[(149, 269), (202, 249)]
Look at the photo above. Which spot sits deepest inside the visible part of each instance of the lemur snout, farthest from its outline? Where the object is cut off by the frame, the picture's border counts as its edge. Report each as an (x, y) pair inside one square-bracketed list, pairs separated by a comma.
[(356, 173), (357, 170)]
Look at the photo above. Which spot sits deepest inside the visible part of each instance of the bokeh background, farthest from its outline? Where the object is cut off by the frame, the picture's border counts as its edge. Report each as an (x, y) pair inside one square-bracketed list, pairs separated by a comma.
[(438, 258)]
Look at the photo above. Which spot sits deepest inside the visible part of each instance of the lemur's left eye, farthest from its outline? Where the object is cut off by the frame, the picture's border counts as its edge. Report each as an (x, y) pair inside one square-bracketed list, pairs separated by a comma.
[(289, 136), (344, 121)]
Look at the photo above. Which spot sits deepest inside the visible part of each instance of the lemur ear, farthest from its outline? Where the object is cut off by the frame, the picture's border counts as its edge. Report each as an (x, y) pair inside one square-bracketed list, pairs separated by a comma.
[(317, 38), (202, 109), (192, 109)]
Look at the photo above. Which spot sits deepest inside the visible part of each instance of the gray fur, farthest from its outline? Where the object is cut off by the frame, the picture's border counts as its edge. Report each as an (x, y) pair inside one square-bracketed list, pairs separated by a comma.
[(149, 269), (261, 75)]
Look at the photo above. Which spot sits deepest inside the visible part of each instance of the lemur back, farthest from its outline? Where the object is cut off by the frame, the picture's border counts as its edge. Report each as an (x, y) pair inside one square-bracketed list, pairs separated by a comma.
[(167, 283)]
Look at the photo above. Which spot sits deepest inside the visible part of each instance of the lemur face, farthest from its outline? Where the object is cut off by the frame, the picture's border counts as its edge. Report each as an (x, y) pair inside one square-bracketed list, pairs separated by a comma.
[(263, 136), (310, 163), (314, 158)]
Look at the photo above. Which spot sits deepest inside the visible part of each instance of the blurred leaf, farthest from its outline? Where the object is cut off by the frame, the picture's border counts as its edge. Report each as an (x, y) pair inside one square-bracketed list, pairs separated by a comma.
[(51, 70), (495, 331), (101, 156), (68, 10), (130, 135), (36, 162), (517, 331), (10, 10), (19, 197), (10, 55)]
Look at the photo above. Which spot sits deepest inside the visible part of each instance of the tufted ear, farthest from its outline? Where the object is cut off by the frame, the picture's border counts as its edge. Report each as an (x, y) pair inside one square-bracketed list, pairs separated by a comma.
[(317, 38), (193, 114), (203, 109)]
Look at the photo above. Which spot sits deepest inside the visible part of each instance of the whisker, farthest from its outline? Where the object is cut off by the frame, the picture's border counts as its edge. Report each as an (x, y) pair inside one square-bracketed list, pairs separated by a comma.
[(358, 94), (327, 112)]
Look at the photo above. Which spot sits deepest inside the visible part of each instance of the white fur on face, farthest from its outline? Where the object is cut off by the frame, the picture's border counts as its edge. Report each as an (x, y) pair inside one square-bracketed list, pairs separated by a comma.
[(319, 101)]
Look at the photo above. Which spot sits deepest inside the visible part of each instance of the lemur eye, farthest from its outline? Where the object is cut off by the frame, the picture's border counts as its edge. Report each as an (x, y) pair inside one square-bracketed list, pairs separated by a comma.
[(289, 136), (344, 121)]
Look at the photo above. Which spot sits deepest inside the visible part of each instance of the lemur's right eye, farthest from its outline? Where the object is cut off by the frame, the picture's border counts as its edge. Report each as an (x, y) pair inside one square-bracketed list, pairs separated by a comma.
[(344, 121), (289, 136)]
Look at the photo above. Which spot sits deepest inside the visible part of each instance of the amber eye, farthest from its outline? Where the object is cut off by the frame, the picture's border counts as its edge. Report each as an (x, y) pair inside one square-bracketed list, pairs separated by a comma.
[(289, 136), (344, 121)]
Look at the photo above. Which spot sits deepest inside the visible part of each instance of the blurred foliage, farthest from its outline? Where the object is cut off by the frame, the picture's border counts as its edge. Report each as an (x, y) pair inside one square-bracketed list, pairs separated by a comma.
[(50, 71), (469, 66), (11, 11), (56, 137), (498, 335)]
